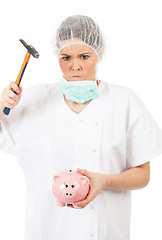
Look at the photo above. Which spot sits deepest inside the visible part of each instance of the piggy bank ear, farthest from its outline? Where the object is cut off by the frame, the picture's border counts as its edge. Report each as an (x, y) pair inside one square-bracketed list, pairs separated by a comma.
[(84, 180), (56, 178)]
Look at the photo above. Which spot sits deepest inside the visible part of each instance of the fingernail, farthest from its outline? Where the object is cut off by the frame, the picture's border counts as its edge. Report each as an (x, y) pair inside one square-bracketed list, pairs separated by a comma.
[(76, 207)]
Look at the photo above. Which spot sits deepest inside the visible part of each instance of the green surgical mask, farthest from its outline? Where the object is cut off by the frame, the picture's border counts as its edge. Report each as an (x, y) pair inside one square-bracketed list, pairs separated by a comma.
[(79, 91)]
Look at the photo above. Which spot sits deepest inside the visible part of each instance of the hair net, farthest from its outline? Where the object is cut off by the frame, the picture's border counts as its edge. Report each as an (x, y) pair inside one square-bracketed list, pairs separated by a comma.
[(79, 29)]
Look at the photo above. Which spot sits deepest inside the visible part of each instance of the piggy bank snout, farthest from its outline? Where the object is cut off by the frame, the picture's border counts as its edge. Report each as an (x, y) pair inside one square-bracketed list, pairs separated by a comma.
[(70, 190), (69, 193)]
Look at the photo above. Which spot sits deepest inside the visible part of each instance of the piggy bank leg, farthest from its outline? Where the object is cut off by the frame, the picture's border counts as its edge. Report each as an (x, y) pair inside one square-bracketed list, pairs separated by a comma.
[(60, 204)]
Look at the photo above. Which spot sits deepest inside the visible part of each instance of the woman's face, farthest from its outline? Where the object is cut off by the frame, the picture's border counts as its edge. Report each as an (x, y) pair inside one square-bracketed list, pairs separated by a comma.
[(78, 62)]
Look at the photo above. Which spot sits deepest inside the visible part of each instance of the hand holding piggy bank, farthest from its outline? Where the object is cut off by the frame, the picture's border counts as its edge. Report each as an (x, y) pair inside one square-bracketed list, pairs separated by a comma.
[(69, 187)]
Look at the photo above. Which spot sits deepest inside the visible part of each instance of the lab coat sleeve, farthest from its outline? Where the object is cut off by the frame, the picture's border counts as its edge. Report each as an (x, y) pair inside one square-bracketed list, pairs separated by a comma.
[(16, 125), (9, 124), (8, 129), (144, 136), (6, 140)]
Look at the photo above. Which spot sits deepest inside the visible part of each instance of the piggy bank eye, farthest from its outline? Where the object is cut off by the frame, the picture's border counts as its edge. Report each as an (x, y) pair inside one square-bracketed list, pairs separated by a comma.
[(66, 185), (72, 185)]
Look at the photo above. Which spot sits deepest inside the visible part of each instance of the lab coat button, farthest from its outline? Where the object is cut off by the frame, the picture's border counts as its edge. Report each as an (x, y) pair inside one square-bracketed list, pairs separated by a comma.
[(92, 207), (94, 150), (91, 235), (96, 123)]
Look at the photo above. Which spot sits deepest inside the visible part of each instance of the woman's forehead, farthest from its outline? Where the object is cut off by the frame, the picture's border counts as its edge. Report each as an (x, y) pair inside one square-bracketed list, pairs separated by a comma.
[(76, 48)]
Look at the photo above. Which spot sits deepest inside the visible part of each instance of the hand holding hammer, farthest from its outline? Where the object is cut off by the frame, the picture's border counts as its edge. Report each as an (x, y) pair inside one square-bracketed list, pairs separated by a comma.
[(8, 97)]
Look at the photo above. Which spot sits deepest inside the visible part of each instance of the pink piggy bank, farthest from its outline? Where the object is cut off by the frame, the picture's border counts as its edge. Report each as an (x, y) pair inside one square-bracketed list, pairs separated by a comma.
[(69, 187)]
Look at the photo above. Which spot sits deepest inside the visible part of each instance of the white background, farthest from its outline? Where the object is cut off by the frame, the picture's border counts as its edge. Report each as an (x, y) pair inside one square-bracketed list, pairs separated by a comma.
[(133, 58)]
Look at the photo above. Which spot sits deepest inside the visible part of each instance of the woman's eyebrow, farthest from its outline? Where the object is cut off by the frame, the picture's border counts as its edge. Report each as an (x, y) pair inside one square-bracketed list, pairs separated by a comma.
[(85, 53), (64, 54), (79, 53)]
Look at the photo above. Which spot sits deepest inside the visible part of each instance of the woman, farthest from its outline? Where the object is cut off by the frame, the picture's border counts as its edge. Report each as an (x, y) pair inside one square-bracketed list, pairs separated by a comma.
[(101, 129)]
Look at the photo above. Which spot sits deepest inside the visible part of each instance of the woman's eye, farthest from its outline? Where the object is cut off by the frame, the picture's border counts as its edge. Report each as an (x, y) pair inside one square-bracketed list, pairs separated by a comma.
[(84, 57), (65, 58)]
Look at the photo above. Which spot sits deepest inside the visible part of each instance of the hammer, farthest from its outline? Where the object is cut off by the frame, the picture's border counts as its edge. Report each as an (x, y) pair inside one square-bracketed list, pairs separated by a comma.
[(35, 54)]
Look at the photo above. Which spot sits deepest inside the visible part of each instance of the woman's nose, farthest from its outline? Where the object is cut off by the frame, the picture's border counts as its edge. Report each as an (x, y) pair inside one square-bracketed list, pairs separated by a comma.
[(75, 65)]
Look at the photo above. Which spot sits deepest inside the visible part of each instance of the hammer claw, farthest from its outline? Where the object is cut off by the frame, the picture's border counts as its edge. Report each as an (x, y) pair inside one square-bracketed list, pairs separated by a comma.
[(30, 48)]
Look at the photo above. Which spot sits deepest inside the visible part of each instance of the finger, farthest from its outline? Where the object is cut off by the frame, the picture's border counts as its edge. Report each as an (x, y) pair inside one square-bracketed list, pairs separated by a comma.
[(76, 207), (84, 172), (9, 100), (14, 86), (83, 203), (71, 205), (90, 197), (80, 206), (21, 89), (11, 94), (8, 105)]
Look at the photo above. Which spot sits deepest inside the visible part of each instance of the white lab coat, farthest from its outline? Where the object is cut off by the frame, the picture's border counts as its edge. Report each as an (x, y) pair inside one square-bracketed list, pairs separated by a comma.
[(111, 134)]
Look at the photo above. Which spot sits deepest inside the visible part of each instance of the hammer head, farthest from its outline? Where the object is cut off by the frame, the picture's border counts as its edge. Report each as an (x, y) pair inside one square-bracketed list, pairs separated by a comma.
[(30, 48)]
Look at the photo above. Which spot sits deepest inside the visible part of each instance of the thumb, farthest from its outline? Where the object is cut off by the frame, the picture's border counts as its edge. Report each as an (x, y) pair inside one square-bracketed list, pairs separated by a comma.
[(21, 88), (84, 172)]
